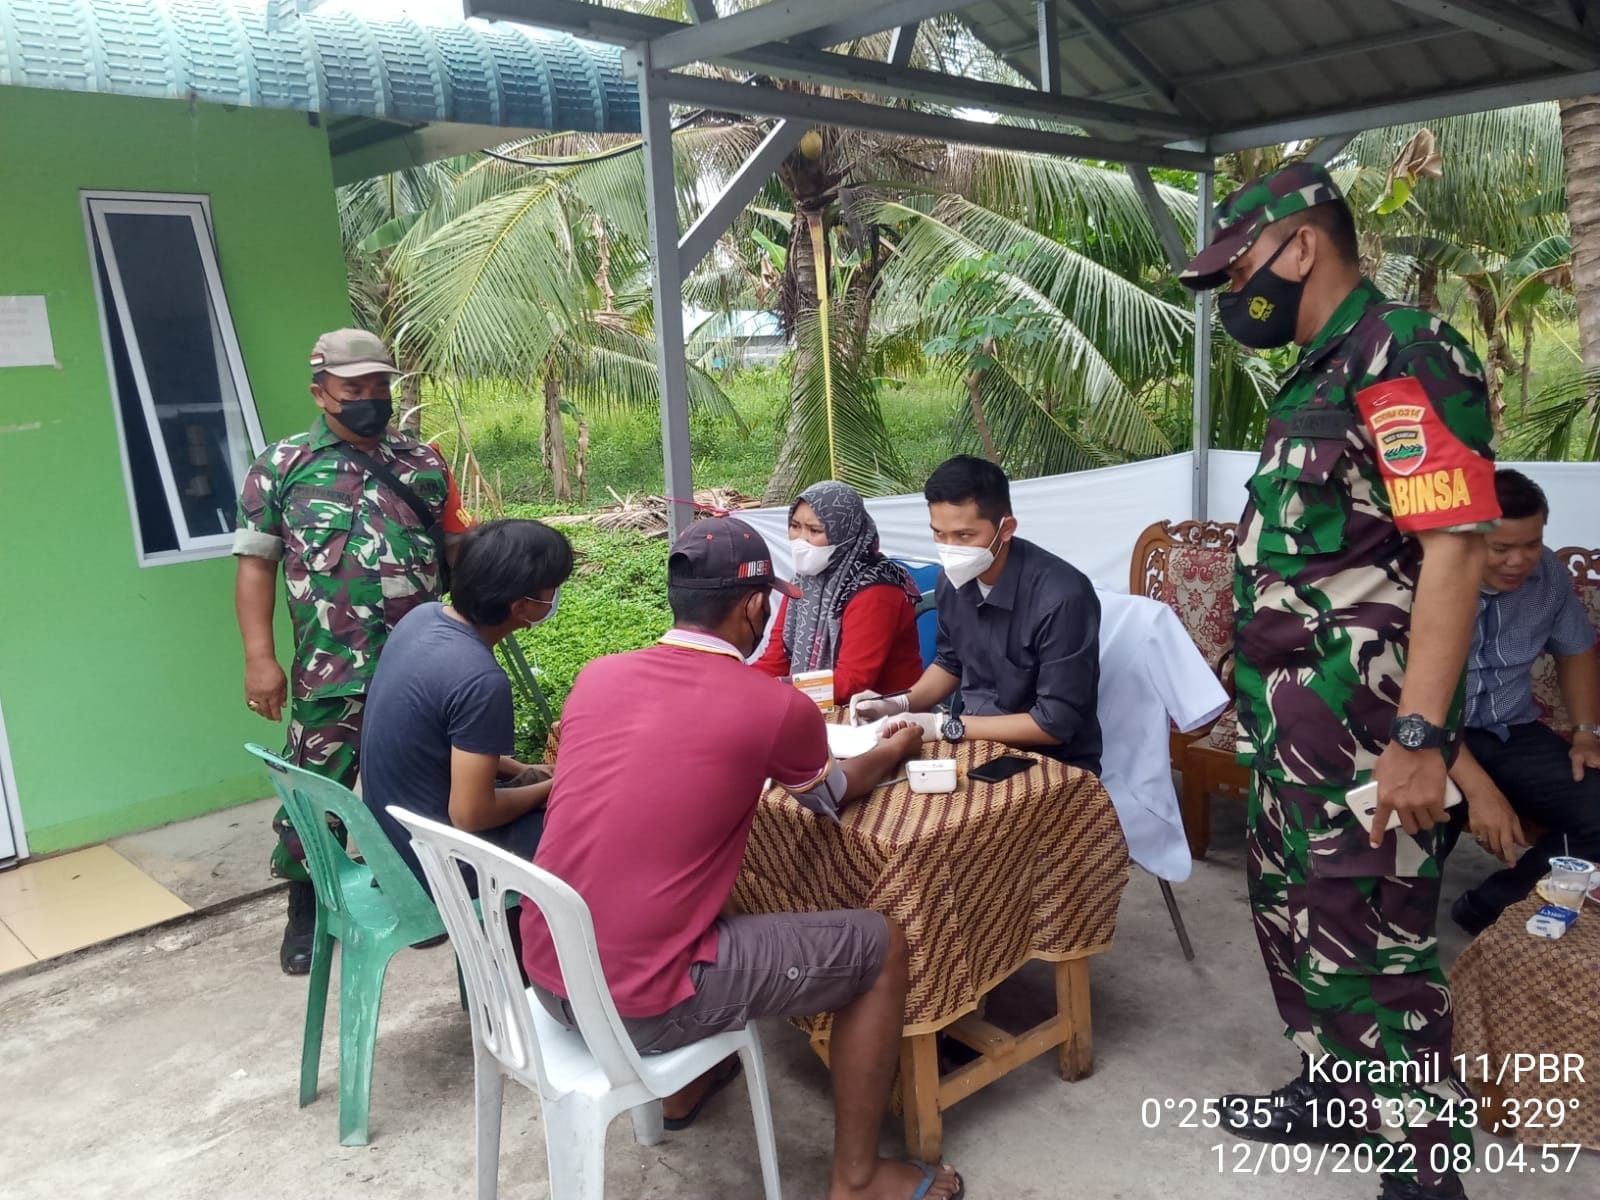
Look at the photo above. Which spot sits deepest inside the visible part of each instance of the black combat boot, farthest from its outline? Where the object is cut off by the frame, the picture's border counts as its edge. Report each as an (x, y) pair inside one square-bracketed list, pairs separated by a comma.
[(294, 956), (1406, 1187), (1302, 1110)]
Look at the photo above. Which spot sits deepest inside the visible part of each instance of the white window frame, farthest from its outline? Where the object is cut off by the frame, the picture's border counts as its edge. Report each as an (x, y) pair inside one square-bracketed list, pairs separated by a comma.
[(197, 208), (13, 839)]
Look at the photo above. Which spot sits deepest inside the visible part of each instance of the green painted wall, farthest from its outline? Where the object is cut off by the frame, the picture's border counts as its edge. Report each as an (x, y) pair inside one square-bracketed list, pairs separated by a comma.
[(122, 685)]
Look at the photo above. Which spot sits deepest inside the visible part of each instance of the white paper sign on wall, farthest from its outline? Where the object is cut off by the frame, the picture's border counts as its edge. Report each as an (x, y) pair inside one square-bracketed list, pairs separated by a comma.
[(25, 333)]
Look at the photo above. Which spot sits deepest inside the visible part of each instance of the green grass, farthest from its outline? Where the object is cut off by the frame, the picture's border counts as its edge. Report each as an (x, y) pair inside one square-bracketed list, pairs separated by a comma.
[(504, 419), (616, 601)]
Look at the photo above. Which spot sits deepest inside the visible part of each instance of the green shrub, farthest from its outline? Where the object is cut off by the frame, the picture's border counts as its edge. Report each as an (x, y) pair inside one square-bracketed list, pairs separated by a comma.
[(615, 601)]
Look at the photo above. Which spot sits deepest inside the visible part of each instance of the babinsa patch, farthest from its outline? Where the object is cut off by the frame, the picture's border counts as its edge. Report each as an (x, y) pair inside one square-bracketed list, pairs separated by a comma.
[(1402, 437)]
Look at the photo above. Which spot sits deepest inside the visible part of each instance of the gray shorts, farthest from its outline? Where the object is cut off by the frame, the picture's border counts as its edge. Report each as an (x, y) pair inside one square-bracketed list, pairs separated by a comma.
[(768, 965)]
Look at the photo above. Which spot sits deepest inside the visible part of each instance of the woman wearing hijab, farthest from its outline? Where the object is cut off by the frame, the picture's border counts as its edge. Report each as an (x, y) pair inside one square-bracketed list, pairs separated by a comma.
[(857, 609)]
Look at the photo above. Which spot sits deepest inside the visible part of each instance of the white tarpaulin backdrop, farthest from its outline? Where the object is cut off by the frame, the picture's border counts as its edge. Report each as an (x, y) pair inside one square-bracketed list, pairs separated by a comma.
[(1092, 518)]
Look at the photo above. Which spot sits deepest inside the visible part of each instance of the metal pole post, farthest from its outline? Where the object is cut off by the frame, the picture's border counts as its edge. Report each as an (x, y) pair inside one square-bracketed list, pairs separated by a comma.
[(666, 280), (1202, 365)]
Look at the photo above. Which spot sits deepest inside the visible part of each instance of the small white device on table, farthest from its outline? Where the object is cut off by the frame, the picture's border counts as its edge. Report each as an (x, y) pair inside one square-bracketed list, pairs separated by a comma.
[(931, 776)]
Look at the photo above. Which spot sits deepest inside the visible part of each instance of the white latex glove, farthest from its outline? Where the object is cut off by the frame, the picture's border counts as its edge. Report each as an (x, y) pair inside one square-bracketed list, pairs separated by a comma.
[(869, 706), (931, 724)]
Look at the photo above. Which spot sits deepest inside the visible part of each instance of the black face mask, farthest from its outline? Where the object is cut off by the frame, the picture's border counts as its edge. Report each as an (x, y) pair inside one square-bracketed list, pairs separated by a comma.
[(757, 630), (1263, 313), (365, 418)]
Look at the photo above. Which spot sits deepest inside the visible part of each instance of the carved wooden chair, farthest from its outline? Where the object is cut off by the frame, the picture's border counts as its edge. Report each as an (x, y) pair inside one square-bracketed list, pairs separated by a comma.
[(1188, 565), (1584, 567)]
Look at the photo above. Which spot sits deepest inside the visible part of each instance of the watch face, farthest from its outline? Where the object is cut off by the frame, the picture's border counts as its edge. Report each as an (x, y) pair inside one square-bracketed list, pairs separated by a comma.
[(1412, 732), (954, 730)]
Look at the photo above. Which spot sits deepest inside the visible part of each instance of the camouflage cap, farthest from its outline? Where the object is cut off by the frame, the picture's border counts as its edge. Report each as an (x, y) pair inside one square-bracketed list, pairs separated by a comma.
[(1248, 210), (348, 353)]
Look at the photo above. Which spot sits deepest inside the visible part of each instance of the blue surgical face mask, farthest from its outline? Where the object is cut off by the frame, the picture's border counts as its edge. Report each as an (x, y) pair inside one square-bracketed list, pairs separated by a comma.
[(554, 602)]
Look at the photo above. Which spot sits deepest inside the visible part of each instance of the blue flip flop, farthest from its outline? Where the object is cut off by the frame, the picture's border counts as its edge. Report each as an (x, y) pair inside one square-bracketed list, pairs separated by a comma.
[(930, 1172)]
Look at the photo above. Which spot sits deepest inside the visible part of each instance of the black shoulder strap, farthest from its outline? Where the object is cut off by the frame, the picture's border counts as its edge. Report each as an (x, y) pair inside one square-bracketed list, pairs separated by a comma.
[(425, 515)]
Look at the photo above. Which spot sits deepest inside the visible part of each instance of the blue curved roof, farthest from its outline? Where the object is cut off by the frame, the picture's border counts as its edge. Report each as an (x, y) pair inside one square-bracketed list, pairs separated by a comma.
[(267, 54)]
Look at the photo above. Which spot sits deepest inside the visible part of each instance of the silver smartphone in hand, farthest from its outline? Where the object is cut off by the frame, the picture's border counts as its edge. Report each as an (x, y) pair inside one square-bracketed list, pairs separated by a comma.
[(1363, 801)]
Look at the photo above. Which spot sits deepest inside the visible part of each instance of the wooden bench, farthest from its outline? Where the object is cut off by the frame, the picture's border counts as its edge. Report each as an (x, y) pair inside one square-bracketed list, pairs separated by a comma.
[(1188, 565)]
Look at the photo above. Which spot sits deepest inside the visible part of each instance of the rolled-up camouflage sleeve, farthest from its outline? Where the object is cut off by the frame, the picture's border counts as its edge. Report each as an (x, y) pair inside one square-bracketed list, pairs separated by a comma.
[(259, 532)]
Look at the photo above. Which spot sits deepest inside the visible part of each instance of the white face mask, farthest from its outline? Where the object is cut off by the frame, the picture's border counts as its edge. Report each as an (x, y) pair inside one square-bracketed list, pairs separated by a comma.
[(555, 603), (963, 564), (809, 559)]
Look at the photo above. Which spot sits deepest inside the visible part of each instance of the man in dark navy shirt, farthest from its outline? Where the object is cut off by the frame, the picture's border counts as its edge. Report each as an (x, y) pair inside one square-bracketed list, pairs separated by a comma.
[(1019, 629), (439, 726)]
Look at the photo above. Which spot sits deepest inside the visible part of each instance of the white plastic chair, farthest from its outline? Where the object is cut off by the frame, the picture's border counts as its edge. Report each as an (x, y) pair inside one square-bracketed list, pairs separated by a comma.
[(583, 1081)]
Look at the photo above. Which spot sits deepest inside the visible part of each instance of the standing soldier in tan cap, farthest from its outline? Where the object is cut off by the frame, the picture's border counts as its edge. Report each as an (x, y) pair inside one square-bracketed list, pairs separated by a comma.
[(360, 515), (1356, 589)]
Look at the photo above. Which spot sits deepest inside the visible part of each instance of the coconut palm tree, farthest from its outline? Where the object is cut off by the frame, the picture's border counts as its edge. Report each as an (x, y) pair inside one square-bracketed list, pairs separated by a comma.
[(527, 265), (1580, 142), (1483, 241)]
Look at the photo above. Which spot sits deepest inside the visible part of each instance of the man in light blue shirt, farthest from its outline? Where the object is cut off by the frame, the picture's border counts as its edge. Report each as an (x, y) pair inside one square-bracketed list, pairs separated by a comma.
[(1513, 767)]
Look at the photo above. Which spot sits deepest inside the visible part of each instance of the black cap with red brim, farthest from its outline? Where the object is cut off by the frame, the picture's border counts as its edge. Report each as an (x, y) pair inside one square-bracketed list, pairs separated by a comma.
[(724, 552)]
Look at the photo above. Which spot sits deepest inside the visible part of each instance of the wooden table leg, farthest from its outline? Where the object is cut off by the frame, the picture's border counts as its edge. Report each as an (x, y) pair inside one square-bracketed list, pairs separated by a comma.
[(919, 1096), (1072, 1002)]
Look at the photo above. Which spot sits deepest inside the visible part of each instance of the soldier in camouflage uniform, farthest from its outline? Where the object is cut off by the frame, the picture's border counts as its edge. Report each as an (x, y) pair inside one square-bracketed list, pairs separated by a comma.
[(355, 560), (1359, 553)]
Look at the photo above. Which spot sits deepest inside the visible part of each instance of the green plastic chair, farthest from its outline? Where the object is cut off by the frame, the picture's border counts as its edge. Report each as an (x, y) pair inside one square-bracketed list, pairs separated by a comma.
[(370, 924)]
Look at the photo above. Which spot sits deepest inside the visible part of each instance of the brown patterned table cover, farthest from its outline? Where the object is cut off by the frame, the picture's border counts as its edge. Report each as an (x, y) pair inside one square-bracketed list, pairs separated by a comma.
[(981, 880), (1516, 994)]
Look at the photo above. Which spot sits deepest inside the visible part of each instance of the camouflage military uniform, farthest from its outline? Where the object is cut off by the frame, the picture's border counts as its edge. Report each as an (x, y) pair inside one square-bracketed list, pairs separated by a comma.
[(354, 562), (1323, 591)]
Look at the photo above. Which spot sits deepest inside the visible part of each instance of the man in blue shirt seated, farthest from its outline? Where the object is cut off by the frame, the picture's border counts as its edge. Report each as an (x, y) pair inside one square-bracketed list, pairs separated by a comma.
[(1019, 629), (440, 725), (1512, 767)]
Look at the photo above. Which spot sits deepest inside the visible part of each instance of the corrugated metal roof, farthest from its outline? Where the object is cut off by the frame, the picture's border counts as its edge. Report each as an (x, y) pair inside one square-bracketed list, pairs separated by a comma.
[(400, 72), (1221, 74), (1261, 69)]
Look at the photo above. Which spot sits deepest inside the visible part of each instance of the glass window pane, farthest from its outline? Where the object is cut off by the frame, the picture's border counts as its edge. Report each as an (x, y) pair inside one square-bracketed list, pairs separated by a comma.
[(200, 423), (151, 513)]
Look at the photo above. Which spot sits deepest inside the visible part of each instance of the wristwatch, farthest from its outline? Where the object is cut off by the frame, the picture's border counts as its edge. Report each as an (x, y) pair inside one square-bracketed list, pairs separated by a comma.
[(1416, 732), (953, 729), (1592, 729)]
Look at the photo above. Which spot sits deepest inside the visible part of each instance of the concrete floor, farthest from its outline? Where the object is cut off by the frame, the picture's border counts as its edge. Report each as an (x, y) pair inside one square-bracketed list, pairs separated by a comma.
[(208, 860), (164, 1065)]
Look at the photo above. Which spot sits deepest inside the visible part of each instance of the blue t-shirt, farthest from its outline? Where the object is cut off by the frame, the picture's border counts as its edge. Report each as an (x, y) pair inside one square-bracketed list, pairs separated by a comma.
[(437, 685)]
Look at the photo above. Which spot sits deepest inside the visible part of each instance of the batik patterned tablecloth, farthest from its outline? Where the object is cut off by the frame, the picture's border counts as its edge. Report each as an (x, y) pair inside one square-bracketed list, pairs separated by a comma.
[(1517, 995), (981, 880)]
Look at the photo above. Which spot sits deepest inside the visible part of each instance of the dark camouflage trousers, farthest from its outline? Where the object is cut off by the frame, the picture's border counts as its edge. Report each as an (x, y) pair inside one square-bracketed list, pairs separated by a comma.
[(1354, 965), (325, 737)]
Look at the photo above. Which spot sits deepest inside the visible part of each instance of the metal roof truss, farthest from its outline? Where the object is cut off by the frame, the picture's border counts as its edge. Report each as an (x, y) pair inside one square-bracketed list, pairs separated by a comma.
[(1144, 82)]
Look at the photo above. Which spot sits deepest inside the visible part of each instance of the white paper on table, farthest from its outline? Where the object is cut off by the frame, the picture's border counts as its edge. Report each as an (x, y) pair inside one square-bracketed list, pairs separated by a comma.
[(850, 741)]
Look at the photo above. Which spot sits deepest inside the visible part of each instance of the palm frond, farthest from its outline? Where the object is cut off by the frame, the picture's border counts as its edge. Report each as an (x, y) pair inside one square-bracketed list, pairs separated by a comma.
[(864, 449), (613, 369), (1562, 422), (1504, 177)]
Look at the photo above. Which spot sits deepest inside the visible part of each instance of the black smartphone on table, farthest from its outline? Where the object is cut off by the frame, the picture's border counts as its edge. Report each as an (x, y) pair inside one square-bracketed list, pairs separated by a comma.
[(1002, 768)]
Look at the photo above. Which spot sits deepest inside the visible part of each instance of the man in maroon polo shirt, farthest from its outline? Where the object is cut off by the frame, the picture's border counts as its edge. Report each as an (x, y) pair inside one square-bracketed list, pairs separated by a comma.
[(664, 753)]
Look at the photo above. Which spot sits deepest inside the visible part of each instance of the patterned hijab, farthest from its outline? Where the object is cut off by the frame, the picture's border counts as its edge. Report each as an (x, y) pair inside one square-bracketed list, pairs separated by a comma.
[(811, 629)]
